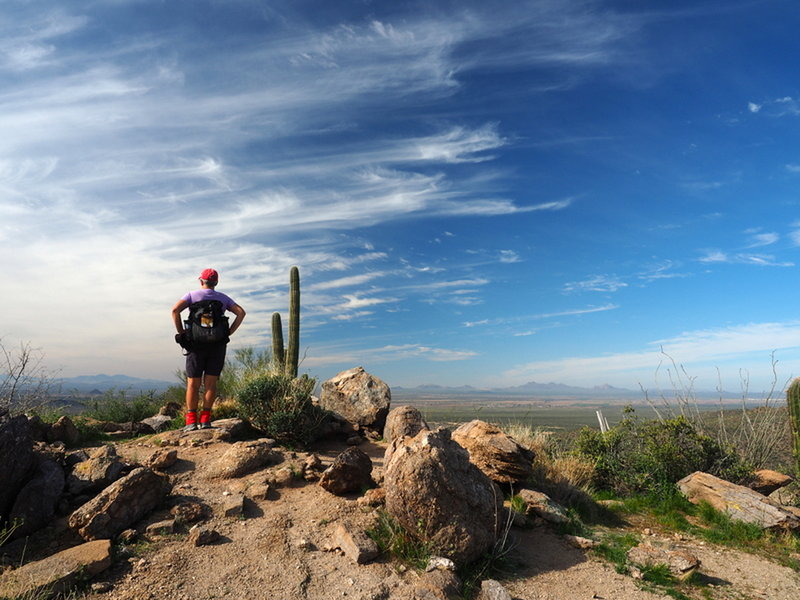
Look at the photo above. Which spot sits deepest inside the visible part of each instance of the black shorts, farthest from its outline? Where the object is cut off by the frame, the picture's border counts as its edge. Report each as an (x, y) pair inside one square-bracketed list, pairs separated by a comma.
[(208, 360)]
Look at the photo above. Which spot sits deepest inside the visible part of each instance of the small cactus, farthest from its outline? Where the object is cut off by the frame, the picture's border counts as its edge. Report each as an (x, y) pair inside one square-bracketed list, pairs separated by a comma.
[(793, 402), (287, 361), (277, 343), (293, 347)]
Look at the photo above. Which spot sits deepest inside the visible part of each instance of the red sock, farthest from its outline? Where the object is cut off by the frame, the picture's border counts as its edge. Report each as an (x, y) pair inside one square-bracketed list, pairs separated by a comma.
[(191, 417), (205, 416)]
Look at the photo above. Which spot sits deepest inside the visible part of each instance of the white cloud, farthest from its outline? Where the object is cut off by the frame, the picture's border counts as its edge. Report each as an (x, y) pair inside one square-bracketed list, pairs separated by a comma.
[(793, 168), (700, 350), (509, 256), (762, 260), (753, 107), (763, 239), (596, 283)]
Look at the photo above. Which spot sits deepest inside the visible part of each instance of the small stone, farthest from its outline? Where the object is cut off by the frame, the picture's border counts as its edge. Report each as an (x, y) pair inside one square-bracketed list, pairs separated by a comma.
[(127, 536), (492, 590), (439, 562), (233, 506), (202, 536), (161, 528), (101, 587), (356, 544), (581, 542)]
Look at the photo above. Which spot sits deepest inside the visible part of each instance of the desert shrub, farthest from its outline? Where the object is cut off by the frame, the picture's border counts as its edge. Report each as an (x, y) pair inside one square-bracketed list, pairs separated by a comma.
[(650, 456), (115, 406), (281, 407)]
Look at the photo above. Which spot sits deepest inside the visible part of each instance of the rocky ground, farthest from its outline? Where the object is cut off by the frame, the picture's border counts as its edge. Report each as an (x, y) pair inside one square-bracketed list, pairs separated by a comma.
[(281, 547)]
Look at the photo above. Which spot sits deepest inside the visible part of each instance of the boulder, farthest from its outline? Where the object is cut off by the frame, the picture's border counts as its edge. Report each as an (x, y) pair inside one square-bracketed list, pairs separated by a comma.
[(38, 499), (242, 458), (55, 574), (766, 481), (120, 505), (737, 501), (161, 459), (788, 495), (438, 496), (351, 471), (158, 423), (403, 421), (64, 430), (362, 399), (189, 511), (102, 468), (19, 461), (501, 458), (541, 505), (681, 563)]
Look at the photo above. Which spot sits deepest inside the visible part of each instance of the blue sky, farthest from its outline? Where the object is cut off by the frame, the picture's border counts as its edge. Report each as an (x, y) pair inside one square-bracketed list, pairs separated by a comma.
[(482, 193)]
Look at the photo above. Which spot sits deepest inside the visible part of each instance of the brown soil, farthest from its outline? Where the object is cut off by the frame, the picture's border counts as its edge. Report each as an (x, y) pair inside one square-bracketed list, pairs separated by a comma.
[(276, 551)]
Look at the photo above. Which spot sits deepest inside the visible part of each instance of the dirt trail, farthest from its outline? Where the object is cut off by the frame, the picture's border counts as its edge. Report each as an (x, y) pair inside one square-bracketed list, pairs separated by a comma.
[(275, 551)]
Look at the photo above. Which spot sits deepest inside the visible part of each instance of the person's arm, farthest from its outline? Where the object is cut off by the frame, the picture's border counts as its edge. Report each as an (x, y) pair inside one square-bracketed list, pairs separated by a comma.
[(239, 312), (176, 314)]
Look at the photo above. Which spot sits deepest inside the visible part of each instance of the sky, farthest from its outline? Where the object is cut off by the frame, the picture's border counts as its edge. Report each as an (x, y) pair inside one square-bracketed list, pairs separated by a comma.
[(475, 193)]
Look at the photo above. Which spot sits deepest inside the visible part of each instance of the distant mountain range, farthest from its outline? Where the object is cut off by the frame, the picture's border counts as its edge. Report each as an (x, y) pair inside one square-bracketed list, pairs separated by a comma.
[(532, 388), (87, 384), (546, 390)]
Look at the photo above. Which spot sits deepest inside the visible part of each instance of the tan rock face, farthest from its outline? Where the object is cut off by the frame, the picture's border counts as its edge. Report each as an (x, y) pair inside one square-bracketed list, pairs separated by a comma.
[(120, 505), (767, 481), (440, 497), (242, 458), (739, 502), (501, 458), (403, 421), (57, 572), (362, 399)]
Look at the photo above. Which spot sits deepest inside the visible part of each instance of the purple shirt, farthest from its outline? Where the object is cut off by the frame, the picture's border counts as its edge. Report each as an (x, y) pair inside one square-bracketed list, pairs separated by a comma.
[(204, 294)]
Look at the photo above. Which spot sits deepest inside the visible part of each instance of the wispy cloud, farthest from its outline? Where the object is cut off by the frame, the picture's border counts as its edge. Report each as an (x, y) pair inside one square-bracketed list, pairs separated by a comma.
[(761, 260), (695, 349), (596, 283), (777, 107), (757, 240)]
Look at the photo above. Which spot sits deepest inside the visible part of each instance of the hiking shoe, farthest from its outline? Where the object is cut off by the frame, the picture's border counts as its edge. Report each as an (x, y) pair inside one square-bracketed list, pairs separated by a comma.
[(190, 427), (206, 425)]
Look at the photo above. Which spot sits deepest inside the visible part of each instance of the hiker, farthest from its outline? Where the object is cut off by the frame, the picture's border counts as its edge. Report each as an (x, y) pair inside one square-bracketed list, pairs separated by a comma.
[(205, 337)]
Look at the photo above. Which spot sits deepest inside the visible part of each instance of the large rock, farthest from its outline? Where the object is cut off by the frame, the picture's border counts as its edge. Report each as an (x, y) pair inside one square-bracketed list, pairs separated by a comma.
[(498, 455), (351, 471), (64, 430), (36, 502), (737, 501), (440, 497), (55, 574), (120, 505), (16, 448), (102, 468), (358, 397), (680, 562), (403, 421), (766, 481), (242, 458)]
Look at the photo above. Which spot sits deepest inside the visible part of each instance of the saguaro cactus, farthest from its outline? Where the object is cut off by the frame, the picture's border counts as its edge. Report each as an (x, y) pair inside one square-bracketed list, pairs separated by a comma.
[(277, 343), (793, 401), (293, 348)]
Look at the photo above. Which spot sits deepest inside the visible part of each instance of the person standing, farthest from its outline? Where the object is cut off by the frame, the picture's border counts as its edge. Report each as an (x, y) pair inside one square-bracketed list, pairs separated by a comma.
[(204, 362)]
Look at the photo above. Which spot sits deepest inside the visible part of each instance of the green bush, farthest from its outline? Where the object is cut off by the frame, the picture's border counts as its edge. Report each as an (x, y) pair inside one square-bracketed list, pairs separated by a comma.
[(115, 406), (650, 456), (281, 407)]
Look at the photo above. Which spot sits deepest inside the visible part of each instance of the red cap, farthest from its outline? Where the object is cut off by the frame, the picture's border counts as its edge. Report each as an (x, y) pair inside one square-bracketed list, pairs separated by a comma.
[(209, 275)]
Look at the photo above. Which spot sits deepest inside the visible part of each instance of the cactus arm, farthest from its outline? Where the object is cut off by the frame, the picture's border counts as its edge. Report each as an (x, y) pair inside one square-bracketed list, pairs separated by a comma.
[(293, 349), (278, 355)]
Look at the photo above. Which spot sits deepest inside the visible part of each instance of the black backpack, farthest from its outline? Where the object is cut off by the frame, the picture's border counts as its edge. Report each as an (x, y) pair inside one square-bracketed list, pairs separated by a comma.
[(207, 324)]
